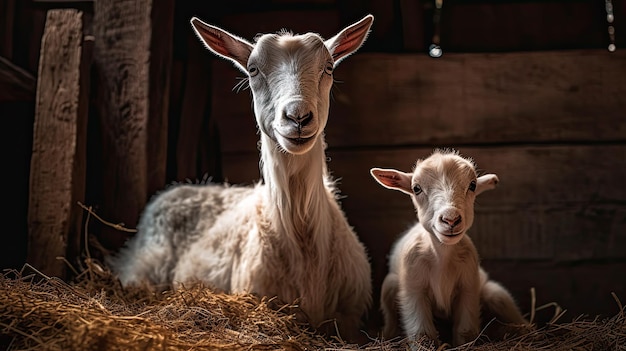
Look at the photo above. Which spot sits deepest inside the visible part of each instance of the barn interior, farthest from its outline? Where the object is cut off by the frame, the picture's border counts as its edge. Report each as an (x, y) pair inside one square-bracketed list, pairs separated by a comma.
[(108, 102)]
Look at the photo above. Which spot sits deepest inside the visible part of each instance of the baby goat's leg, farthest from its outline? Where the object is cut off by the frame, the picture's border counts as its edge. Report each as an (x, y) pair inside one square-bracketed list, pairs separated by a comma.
[(466, 316), (416, 311), (389, 305), (498, 302)]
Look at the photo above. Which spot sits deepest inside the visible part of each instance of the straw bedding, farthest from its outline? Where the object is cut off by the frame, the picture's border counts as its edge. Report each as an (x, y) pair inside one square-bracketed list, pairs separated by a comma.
[(93, 312)]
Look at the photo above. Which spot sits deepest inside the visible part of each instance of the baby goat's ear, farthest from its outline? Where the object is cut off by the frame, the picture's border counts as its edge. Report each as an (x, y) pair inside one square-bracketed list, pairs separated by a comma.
[(393, 179), (486, 182)]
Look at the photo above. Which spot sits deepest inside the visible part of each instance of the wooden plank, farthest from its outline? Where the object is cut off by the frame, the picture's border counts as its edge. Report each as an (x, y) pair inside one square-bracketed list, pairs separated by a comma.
[(122, 29), (249, 24), (194, 109), (562, 203), (412, 13), (16, 84), (161, 43), (6, 29), (582, 289), (57, 176), (525, 25), (412, 100)]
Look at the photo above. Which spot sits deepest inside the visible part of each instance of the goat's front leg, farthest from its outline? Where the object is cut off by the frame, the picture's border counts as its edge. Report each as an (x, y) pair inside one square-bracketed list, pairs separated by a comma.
[(416, 312), (466, 315)]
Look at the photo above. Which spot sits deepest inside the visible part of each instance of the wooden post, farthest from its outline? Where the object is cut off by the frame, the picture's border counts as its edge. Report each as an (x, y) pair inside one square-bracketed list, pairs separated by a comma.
[(121, 53), (133, 60), (57, 175)]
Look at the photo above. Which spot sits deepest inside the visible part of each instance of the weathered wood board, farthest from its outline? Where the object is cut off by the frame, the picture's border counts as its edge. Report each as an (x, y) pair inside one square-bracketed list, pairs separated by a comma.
[(57, 174), (401, 100), (121, 59)]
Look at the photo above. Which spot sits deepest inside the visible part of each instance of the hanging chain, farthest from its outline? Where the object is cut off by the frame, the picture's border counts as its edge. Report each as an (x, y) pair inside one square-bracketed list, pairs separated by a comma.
[(608, 5)]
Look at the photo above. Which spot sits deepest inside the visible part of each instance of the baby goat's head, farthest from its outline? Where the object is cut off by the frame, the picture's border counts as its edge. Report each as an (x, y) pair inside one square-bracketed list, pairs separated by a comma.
[(290, 77), (443, 188)]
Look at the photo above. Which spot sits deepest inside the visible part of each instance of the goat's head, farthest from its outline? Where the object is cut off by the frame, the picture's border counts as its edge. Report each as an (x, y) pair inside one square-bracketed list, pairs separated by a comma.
[(443, 188), (290, 77)]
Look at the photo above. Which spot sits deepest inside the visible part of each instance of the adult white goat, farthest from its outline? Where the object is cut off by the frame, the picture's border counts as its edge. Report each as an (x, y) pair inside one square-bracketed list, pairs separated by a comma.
[(287, 236), (434, 269)]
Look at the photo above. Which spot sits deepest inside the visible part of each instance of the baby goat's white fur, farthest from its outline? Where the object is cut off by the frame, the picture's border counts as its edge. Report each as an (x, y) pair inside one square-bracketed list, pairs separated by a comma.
[(434, 269), (285, 237)]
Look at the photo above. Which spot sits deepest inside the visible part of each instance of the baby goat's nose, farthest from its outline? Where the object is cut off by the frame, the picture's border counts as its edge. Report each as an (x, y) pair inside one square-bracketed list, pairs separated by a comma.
[(451, 218)]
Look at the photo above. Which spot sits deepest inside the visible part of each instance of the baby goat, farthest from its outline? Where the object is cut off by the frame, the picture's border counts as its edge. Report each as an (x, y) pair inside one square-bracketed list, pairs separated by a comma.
[(434, 269)]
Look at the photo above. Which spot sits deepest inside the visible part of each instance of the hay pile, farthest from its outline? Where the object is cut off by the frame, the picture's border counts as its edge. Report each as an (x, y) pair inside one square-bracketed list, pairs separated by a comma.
[(95, 313)]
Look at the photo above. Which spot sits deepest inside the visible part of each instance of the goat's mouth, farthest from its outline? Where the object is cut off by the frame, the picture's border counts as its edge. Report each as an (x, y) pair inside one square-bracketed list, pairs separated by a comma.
[(449, 237), (296, 145), (299, 140)]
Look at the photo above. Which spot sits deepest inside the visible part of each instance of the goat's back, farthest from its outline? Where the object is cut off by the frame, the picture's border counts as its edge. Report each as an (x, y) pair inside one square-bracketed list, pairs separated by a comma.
[(172, 221)]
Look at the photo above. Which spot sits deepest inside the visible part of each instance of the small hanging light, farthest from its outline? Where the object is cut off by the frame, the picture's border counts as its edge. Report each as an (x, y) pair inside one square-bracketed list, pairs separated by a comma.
[(434, 50), (608, 5)]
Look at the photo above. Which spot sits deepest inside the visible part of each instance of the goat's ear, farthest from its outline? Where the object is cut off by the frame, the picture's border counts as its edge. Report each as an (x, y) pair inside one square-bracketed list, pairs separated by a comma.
[(223, 43), (349, 39), (393, 179), (486, 182)]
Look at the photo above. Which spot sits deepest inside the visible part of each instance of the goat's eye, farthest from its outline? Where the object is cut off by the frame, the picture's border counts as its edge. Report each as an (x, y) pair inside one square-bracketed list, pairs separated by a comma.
[(253, 71), (472, 186), (328, 69), (417, 189)]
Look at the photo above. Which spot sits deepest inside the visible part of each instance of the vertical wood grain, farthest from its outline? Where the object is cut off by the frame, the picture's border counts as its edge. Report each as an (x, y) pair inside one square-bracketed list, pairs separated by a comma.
[(58, 156)]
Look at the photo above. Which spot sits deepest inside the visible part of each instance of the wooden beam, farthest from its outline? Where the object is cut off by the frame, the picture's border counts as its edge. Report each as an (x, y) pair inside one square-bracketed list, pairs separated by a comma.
[(57, 175), (122, 30), (16, 84)]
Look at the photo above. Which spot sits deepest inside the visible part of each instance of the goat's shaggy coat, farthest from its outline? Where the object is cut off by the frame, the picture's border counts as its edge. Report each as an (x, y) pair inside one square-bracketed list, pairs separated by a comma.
[(434, 268), (285, 237)]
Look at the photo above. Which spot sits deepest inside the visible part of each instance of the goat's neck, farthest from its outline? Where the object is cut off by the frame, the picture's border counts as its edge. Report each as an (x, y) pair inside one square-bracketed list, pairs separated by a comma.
[(296, 189), (446, 253)]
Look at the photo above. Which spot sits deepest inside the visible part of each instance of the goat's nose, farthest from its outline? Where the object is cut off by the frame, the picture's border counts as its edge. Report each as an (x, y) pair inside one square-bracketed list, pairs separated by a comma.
[(298, 113), (451, 219)]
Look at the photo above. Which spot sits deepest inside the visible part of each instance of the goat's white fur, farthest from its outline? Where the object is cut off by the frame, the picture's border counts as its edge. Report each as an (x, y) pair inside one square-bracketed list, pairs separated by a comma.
[(285, 237), (434, 269)]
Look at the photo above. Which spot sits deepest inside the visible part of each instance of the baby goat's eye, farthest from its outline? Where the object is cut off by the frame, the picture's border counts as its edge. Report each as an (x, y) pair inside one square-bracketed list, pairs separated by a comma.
[(417, 189), (472, 186), (253, 71)]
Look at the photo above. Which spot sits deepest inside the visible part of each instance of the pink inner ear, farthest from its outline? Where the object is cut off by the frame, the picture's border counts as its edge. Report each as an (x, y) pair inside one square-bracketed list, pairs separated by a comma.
[(212, 38), (388, 178)]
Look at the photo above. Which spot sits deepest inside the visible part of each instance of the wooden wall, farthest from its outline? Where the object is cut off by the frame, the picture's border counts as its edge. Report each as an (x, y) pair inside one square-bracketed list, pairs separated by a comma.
[(526, 88), (543, 105)]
